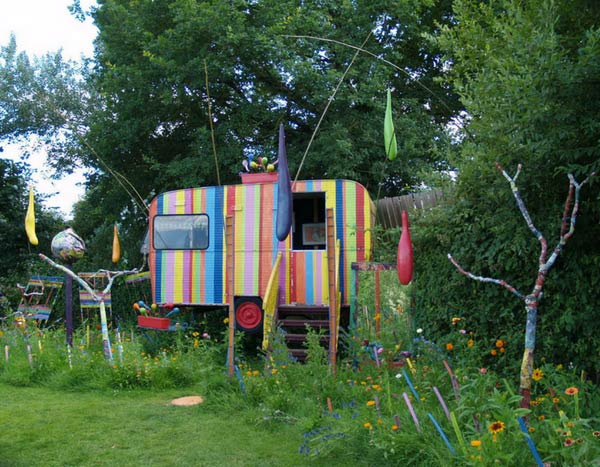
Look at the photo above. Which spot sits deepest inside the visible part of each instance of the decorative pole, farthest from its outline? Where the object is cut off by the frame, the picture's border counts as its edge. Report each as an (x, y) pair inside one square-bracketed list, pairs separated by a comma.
[(545, 263)]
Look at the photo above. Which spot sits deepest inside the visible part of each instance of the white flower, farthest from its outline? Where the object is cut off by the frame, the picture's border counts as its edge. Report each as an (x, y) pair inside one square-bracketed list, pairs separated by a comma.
[(419, 331), (398, 376)]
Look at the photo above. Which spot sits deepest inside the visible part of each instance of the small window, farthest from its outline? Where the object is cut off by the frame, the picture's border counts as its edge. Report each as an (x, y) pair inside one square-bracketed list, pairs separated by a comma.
[(185, 232), (308, 227)]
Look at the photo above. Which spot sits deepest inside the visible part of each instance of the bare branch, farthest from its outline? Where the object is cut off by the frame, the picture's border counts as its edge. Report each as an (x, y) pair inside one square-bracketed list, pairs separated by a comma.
[(574, 189), (500, 282), (525, 212)]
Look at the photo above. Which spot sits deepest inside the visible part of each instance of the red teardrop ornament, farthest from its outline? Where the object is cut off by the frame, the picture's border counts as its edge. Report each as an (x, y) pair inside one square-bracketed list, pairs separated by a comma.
[(405, 253)]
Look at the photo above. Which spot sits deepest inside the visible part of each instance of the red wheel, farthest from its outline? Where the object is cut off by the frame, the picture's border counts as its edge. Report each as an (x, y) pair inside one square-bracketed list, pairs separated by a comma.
[(248, 316)]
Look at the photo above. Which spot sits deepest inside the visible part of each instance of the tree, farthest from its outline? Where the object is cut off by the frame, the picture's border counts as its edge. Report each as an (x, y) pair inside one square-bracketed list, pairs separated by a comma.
[(526, 72)]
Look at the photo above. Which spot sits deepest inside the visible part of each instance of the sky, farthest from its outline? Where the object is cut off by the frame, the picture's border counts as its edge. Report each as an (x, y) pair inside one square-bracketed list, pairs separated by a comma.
[(42, 26)]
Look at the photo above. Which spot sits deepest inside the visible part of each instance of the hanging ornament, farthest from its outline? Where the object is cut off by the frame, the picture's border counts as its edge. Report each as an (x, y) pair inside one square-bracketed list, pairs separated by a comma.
[(405, 253)]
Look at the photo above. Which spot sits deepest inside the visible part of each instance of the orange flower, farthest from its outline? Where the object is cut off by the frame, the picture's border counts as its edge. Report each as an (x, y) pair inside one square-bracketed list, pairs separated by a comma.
[(494, 352), (499, 343), (476, 443), (394, 427), (449, 346), (370, 403), (571, 391), (496, 427), (368, 425)]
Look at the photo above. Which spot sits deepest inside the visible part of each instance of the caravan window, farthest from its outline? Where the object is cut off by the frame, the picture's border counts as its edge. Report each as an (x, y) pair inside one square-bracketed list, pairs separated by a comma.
[(181, 232), (308, 222)]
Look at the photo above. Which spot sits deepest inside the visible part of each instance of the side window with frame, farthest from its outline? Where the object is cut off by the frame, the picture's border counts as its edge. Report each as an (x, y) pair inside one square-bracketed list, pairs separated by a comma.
[(181, 232)]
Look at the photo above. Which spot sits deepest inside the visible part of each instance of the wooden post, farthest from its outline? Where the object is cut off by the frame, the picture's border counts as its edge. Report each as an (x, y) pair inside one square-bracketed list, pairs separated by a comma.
[(332, 290), (229, 236), (377, 304)]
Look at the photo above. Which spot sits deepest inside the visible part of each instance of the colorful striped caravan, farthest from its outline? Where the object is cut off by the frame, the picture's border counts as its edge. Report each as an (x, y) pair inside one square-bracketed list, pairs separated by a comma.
[(187, 241)]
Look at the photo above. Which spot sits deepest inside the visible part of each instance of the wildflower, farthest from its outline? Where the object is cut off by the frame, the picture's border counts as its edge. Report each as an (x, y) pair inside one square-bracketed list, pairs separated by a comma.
[(462, 331), (541, 418), (274, 371), (195, 334), (379, 421), (499, 343), (568, 442), (449, 346), (226, 321), (571, 391), (205, 335), (370, 403), (476, 443), (394, 427), (537, 374), (531, 429), (398, 376), (494, 352), (470, 343), (596, 434), (196, 343), (368, 425), (483, 371), (248, 373), (556, 400), (496, 427), (255, 373), (455, 321), (502, 350), (419, 331)]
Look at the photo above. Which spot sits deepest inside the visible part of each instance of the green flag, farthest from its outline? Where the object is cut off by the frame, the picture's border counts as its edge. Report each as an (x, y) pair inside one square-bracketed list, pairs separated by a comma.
[(389, 136)]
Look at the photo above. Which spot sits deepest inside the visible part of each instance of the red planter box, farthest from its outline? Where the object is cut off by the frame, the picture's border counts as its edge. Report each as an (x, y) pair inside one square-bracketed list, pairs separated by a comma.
[(153, 323), (259, 177)]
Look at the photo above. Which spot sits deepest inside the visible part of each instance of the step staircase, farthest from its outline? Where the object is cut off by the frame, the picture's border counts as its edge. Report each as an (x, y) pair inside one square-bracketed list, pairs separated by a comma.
[(294, 320)]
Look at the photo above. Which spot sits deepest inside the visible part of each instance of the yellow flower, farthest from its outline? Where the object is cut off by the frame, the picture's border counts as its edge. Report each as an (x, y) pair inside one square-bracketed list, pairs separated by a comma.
[(368, 425), (470, 343), (195, 334), (274, 371), (255, 373), (476, 443), (537, 374), (226, 321), (556, 400), (370, 403), (455, 321), (496, 427)]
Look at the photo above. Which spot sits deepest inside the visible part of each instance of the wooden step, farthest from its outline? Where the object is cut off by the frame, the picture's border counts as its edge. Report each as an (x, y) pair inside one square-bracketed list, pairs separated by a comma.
[(301, 338), (301, 323)]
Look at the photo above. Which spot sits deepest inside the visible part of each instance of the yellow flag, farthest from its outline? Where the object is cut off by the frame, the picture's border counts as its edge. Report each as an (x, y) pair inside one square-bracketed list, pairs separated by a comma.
[(30, 220), (389, 135)]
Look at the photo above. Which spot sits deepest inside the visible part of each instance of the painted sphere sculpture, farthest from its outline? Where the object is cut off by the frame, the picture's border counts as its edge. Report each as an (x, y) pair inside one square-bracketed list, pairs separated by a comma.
[(67, 246)]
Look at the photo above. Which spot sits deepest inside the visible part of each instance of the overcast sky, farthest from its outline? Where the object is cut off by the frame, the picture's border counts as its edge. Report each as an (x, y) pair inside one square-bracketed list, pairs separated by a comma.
[(42, 26)]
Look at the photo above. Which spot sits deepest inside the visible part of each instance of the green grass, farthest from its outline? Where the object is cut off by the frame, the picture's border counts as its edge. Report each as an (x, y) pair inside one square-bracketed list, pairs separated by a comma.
[(45, 427)]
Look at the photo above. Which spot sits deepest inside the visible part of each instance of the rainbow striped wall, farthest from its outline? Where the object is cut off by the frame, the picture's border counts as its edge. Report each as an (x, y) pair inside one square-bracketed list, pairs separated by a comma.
[(198, 277)]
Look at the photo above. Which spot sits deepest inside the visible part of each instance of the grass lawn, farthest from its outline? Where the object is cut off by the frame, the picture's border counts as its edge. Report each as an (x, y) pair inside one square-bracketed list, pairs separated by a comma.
[(45, 427)]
